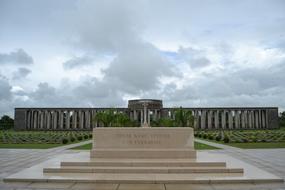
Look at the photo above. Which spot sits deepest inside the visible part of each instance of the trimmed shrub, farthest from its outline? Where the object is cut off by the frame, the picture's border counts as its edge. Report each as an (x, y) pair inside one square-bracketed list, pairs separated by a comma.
[(64, 141), (205, 136), (86, 136), (218, 138), (79, 138), (210, 137), (72, 139), (90, 136), (226, 139)]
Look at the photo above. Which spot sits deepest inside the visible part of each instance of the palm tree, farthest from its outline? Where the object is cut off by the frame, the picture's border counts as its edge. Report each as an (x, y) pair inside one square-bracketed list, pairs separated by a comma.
[(106, 118), (183, 118)]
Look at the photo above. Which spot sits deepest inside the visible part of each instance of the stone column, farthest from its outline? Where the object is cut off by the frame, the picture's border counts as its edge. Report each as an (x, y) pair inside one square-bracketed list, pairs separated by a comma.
[(148, 117), (145, 112), (35, 120), (87, 121), (42, 119), (135, 115), (260, 118), (256, 119), (55, 120), (74, 119), (263, 119), (142, 116), (203, 119), (81, 119), (209, 119), (48, 119), (243, 114), (61, 119), (216, 119), (249, 119), (67, 120), (237, 119), (223, 119), (230, 116)]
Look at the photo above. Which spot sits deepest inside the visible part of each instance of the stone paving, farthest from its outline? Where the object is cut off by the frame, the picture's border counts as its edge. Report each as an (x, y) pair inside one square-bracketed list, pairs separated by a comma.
[(14, 160)]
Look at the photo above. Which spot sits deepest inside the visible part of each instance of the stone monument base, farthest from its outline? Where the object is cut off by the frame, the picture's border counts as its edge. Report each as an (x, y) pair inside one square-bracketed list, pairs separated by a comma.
[(138, 143)]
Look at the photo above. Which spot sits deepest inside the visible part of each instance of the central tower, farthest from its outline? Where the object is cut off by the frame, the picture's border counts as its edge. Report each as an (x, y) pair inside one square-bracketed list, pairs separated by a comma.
[(145, 110)]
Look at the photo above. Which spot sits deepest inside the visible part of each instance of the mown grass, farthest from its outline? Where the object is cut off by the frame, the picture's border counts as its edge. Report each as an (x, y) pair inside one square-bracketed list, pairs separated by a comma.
[(29, 146)]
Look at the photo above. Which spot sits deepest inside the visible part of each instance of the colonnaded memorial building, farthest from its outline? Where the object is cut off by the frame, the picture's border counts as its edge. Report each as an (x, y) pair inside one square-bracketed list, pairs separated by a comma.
[(145, 111)]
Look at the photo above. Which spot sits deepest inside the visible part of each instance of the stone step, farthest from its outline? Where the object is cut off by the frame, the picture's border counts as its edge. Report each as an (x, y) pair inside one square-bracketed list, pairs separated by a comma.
[(140, 153), (147, 170), (145, 163), (197, 178)]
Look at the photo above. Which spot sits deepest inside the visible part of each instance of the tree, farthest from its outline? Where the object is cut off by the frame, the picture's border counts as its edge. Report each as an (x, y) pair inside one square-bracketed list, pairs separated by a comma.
[(6, 122), (282, 119), (183, 118), (165, 122), (111, 118), (105, 118)]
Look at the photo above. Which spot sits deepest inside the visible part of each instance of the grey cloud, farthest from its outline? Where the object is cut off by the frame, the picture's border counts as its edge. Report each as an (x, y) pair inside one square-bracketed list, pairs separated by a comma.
[(243, 87), (194, 57), (77, 62), (5, 89), (16, 57), (138, 69), (21, 73), (104, 26)]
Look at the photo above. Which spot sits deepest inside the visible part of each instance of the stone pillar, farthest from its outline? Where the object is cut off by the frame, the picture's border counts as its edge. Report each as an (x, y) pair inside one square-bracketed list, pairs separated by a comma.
[(223, 119), (142, 116), (67, 120), (148, 117), (42, 119), (144, 113), (260, 118), (135, 115), (216, 119), (249, 119), (263, 119), (243, 114), (266, 119), (237, 119), (55, 120), (74, 119), (87, 121), (81, 119), (256, 119), (230, 120), (203, 119), (48, 119), (35, 119), (209, 119), (61, 119)]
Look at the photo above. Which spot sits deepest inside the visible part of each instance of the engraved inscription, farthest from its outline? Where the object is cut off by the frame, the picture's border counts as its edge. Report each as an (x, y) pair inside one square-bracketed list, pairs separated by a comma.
[(140, 139)]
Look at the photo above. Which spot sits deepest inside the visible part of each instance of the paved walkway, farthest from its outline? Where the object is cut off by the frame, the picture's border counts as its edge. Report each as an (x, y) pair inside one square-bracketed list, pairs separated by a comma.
[(271, 160)]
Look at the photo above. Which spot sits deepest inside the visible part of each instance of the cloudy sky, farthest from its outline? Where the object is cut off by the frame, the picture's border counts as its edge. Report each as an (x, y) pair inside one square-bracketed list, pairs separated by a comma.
[(94, 53)]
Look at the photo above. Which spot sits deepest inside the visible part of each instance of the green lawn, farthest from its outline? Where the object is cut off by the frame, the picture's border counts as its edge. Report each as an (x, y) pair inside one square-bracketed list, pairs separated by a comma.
[(198, 146), (258, 145), (29, 146), (251, 145)]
